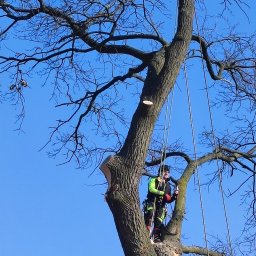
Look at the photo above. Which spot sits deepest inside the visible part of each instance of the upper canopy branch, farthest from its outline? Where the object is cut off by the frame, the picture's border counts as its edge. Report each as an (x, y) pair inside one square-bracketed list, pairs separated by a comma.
[(235, 153), (225, 155), (229, 156), (94, 95), (23, 14), (100, 40), (166, 155), (38, 58), (231, 65), (81, 31), (89, 100), (204, 49)]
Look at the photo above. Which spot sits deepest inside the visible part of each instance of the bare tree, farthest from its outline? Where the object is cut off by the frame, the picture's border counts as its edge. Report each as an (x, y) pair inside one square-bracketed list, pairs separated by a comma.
[(97, 53)]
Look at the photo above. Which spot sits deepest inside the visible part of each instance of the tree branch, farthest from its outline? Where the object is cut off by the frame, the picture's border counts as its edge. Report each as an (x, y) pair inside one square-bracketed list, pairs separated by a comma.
[(166, 155), (232, 66), (200, 251)]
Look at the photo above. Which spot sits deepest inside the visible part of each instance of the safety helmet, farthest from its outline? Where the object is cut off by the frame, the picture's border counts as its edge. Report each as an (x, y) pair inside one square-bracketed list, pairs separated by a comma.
[(162, 169)]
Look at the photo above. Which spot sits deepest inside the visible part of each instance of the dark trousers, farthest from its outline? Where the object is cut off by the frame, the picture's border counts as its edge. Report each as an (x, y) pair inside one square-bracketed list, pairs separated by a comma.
[(157, 211)]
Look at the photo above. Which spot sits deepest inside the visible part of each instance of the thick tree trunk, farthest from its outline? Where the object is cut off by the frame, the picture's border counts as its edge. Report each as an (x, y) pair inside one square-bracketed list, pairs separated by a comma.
[(126, 167)]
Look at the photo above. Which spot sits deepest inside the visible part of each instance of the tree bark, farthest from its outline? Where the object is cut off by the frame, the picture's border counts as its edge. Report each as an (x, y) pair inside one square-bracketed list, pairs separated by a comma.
[(126, 167)]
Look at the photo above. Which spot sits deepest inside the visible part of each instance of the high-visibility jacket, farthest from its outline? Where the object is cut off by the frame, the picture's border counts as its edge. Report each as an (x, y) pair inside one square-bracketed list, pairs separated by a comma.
[(157, 188)]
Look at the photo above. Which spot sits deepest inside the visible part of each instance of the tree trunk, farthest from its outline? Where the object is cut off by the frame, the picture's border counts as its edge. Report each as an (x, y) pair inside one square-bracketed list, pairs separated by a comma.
[(126, 167)]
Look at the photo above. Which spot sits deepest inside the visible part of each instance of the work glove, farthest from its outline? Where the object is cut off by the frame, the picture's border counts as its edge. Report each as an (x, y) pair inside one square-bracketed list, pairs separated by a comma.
[(167, 198)]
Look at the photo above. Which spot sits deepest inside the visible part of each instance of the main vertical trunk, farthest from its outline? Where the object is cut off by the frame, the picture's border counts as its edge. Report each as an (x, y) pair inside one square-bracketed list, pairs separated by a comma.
[(125, 168)]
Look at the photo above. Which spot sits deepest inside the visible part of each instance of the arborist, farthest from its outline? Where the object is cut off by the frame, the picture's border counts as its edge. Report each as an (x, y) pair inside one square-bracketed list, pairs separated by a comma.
[(159, 193)]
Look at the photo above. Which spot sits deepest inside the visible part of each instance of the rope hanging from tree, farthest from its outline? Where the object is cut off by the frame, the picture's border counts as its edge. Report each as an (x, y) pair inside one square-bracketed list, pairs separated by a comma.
[(168, 112), (195, 155), (215, 145), (167, 122), (167, 125)]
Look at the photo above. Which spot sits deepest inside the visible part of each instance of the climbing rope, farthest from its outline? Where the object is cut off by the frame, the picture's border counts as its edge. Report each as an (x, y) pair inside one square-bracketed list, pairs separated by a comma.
[(168, 111), (215, 144), (167, 125), (167, 122), (195, 155)]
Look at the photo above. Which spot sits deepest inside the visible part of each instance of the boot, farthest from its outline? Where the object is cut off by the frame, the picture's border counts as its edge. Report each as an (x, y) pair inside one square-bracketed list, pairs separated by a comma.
[(157, 235)]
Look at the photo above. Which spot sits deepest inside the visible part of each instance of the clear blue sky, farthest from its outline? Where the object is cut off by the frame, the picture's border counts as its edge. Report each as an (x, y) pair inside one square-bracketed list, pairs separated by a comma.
[(49, 210)]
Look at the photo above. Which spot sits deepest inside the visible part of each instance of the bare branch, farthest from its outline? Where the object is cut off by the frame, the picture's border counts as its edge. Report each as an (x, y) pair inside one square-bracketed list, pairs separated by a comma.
[(167, 155), (200, 251)]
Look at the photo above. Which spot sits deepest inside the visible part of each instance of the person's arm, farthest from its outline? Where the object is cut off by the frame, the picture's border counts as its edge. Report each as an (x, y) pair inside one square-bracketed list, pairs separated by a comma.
[(152, 188), (169, 197)]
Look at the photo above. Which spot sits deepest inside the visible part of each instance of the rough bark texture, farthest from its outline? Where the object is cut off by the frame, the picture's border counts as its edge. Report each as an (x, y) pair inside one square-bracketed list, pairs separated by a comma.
[(168, 249), (126, 168)]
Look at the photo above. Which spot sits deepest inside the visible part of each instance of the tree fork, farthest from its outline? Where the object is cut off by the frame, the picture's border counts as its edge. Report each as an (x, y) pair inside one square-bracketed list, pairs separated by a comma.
[(126, 168)]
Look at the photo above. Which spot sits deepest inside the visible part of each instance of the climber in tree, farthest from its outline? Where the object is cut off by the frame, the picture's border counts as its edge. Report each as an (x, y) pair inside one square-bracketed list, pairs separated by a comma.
[(159, 193)]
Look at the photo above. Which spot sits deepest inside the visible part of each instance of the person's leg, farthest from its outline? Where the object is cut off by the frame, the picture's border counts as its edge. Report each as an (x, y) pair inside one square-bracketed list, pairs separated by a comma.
[(148, 214), (159, 218)]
